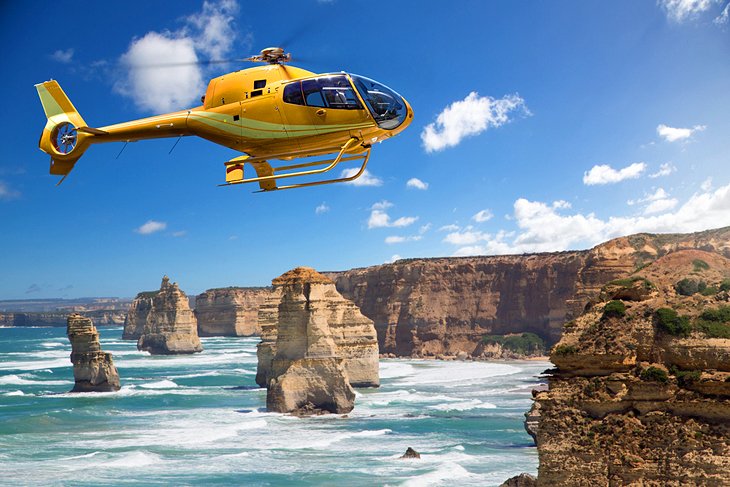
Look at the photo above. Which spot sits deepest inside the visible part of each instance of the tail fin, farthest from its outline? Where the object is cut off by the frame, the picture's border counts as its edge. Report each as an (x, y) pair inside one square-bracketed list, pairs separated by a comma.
[(65, 136)]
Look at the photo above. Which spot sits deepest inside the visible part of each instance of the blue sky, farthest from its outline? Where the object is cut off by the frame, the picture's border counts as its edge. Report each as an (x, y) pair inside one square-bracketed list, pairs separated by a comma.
[(539, 126)]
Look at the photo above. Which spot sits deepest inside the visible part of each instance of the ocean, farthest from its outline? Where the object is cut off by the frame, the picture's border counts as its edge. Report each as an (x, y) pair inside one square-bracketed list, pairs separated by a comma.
[(200, 420)]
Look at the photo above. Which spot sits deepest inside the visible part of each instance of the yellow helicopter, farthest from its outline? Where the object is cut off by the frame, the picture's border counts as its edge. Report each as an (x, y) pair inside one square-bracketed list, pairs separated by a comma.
[(269, 113)]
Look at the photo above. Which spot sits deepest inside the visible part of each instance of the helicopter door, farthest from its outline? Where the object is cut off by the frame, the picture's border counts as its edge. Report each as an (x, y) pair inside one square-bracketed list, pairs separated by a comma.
[(333, 105), (322, 106)]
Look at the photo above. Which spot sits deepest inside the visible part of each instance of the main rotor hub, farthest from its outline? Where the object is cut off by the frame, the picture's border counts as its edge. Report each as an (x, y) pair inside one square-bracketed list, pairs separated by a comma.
[(272, 55)]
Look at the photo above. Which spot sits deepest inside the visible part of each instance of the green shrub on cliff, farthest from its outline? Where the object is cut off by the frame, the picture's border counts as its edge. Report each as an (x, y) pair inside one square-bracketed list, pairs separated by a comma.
[(725, 285), (685, 377), (714, 323), (614, 309), (654, 374), (564, 350), (700, 265), (670, 322), (525, 343), (688, 287)]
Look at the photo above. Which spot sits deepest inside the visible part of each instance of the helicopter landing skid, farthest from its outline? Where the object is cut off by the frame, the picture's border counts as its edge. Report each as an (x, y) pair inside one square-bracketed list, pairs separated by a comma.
[(267, 175)]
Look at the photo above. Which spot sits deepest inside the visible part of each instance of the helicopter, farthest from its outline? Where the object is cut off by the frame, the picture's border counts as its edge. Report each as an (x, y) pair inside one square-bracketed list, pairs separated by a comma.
[(273, 114)]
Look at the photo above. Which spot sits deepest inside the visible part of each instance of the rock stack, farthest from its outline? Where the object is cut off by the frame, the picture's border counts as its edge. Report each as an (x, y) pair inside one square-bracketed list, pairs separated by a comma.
[(353, 333), (170, 326), (137, 315), (231, 311), (307, 372), (94, 370)]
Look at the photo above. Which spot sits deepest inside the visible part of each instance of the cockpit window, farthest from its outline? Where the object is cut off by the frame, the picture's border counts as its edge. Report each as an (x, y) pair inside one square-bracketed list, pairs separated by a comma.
[(387, 107), (312, 93), (327, 92), (293, 93)]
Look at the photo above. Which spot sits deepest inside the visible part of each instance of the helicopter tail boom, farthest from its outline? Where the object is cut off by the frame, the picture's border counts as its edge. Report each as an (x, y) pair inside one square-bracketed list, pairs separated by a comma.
[(66, 135)]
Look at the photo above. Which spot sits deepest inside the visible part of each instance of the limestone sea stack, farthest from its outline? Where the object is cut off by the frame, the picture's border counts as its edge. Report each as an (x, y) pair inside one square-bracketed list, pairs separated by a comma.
[(137, 315), (94, 370), (231, 311), (353, 333), (308, 373), (170, 327)]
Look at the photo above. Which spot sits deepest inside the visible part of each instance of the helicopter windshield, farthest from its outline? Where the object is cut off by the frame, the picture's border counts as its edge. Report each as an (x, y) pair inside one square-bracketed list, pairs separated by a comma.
[(387, 107)]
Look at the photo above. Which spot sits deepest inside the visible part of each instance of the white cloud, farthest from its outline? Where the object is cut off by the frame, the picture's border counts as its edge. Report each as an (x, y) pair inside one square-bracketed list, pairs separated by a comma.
[(214, 28), (661, 205), (379, 218), (165, 88), (470, 116), (664, 170), (482, 216), (382, 205), (424, 228), (63, 56), (6, 192), (323, 208), (707, 183), (365, 179), (449, 228), (544, 228), (404, 221), (672, 134), (395, 239), (394, 258), (657, 202), (417, 184), (151, 226), (722, 19), (681, 10), (180, 233), (605, 174)]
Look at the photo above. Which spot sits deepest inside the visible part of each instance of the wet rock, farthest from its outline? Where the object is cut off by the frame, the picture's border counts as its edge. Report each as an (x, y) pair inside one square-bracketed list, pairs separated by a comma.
[(411, 453), (521, 480)]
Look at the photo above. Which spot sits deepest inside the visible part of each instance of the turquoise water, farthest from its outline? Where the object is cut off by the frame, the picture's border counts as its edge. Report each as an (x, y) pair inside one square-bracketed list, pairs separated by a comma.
[(199, 420)]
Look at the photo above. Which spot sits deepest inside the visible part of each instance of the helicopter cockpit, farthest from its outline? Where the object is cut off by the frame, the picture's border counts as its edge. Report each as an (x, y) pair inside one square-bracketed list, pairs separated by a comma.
[(387, 107)]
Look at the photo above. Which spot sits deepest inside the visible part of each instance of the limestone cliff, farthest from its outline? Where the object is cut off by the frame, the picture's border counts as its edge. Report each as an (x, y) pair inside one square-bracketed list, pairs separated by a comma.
[(353, 334), (170, 326), (231, 311), (94, 369), (641, 393), (445, 305), (307, 372), (58, 318)]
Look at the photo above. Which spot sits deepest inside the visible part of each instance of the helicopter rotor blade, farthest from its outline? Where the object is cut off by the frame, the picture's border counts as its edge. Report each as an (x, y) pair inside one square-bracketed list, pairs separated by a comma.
[(202, 62)]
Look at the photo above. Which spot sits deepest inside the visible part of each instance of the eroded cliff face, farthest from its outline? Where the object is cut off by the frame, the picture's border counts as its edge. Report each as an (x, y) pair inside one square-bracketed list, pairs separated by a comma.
[(641, 393), (94, 369), (230, 311), (308, 372), (170, 326), (58, 318), (445, 305), (354, 334)]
